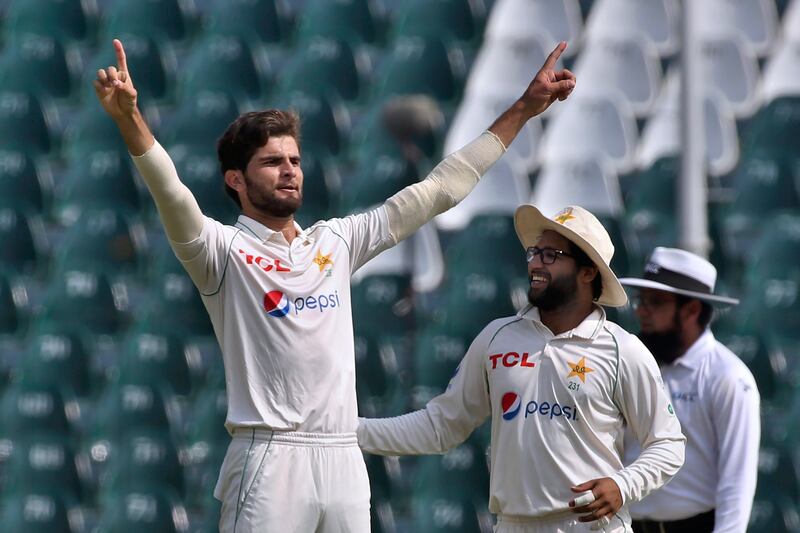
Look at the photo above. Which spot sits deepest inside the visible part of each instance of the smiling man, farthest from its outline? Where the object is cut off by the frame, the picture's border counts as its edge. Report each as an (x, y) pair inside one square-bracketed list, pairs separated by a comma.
[(279, 299), (558, 411)]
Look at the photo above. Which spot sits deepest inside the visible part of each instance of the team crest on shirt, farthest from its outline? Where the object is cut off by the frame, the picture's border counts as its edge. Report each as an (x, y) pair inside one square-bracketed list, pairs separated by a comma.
[(578, 370), (324, 262)]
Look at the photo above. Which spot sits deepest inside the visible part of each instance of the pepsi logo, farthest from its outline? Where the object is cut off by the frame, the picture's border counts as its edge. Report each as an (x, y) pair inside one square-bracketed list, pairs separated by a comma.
[(511, 405), (276, 304)]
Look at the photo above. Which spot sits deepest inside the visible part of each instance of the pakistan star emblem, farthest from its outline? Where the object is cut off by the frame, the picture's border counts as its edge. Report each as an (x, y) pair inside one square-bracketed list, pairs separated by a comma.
[(323, 260), (564, 215), (579, 369)]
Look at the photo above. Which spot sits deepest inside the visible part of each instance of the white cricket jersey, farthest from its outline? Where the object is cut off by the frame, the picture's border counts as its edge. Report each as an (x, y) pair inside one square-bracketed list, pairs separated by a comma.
[(282, 316), (558, 405), (717, 401)]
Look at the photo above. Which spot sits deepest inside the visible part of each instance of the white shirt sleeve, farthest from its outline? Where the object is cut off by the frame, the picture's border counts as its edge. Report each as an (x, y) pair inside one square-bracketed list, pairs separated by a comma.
[(647, 410), (446, 421), (736, 408), (365, 234)]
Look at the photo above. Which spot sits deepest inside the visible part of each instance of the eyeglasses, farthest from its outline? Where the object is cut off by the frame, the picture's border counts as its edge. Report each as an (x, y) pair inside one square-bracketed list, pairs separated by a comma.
[(548, 255), (650, 303)]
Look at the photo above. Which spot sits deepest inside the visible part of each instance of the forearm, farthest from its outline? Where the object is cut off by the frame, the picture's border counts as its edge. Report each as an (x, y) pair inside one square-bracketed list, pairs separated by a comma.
[(410, 434), (135, 133), (177, 207), (657, 464), (447, 184), (508, 125)]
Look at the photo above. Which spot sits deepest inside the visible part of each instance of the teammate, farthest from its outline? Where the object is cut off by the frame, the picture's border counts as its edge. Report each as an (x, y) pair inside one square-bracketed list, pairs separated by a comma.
[(557, 420), (714, 394), (279, 299)]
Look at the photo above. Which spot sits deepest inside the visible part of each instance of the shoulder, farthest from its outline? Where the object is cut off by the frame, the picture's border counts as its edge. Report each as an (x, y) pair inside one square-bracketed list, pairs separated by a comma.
[(723, 367), (632, 352)]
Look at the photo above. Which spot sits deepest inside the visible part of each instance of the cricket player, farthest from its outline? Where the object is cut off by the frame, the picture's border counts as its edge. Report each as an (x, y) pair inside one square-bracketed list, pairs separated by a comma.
[(714, 394), (559, 382), (279, 299)]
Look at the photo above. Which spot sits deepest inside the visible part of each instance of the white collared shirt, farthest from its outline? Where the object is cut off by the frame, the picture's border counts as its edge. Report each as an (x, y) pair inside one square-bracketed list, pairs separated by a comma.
[(281, 313), (558, 403), (717, 402)]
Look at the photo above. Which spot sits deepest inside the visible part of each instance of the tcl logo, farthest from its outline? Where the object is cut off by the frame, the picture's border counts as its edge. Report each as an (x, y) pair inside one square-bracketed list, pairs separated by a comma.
[(511, 359), (264, 263)]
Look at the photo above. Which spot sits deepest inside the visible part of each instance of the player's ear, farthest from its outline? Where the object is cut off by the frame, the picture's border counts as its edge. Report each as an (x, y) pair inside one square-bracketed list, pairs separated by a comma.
[(234, 179)]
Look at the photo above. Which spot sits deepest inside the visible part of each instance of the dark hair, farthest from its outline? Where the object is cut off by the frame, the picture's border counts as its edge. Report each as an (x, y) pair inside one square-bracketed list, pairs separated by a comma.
[(583, 260), (706, 310), (248, 133)]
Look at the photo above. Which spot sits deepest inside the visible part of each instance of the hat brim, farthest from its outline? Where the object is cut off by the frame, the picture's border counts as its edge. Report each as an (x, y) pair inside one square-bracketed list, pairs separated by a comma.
[(530, 223), (649, 284)]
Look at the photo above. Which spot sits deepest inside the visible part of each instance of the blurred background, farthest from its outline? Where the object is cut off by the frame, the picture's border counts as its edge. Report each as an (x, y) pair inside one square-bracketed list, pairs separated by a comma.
[(112, 397)]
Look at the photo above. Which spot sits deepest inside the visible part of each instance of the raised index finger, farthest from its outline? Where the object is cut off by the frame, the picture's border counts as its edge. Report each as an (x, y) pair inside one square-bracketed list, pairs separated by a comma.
[(551, 60), (122, 62)]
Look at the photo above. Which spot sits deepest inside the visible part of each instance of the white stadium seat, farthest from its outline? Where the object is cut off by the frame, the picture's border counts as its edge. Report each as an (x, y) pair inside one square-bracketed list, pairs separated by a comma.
[(656, 21)]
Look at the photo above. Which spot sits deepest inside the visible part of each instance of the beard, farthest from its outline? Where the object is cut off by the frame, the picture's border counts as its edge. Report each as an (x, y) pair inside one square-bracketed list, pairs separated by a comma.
[(268, 203), (666, 346), (559, 292)]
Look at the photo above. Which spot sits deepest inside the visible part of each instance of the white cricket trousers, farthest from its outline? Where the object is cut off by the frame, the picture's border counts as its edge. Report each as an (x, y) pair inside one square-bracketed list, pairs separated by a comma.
[(292, 482), (561, 523)]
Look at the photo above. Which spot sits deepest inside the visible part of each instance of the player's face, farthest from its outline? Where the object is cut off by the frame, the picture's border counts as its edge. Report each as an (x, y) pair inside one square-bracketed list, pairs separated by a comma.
[(274, 178), (656, 310), (554, 285)]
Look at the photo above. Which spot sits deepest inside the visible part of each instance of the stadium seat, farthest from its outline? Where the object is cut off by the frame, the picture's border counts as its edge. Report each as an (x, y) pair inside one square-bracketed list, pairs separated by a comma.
[(589, 182), (98, 180), (514, 60), (11, 319), (31, 410), (206, 444), (23, 125), (476, 113), (142, 461), (381, 304), (381, 373), (24, 184), (730, 67), (749, 346), (416, 65), (155, 358), (504, 187), (782, 72), (351, 20), (221, 64), (656, 21), (90, 131), (626, 65), (160, 19), (154, 510), (40, 513), (377, 178), (775, 126), (23, 61), (595, 124), (63, 20), (322, 65), (199, 120), (756, 21), (264, 21), (57, 359), (460, 20), (45, 464), (84, 301), (791, 22), (22, 236), (439, 350), (198, 168), (102, 242), (325, 119), (554, 20), (151, 61)]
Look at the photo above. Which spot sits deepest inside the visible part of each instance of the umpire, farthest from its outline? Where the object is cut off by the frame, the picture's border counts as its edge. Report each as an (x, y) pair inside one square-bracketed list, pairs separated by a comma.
[(714, 395)]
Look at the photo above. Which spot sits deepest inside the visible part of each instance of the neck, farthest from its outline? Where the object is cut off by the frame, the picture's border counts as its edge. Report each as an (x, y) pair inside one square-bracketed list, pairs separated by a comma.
[(566, 317), (689, 337), (284, 225)]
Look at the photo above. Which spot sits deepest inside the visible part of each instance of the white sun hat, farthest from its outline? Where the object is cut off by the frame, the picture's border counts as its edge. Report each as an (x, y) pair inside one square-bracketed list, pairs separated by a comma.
[(582, 229)]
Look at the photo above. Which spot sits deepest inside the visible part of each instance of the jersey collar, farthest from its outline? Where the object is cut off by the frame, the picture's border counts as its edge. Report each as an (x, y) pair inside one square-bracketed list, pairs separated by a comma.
[(260, 231), (588, 329)]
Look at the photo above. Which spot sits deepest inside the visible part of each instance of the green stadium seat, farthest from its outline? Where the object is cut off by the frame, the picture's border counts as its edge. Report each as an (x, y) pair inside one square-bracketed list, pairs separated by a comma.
[(772, 512), (200, 120), (25, 59), (325, 120), (438, 352), (36, 512), (84, 301), (377, 177), (416, 65), (24, 185), (350, 20), (29, 410), (101, 242), (154, 511), (57, 359), (221, 63), (23, 242), (155, 358), (382, 305), (322, 65), (151, 61), (142, 461), (125, 409), (11, 319), (90, 131), (160, 19), (199, 170), (460, 20), (45, 464), (62, 19), (206, 443), (256, 20), (751, 349), (775, 126), (99, 180), (381, 376), (23, 125)]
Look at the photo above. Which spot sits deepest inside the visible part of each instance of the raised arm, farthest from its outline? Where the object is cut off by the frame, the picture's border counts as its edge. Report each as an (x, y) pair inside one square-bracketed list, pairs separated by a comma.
[(458, 173), (178, 209)]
